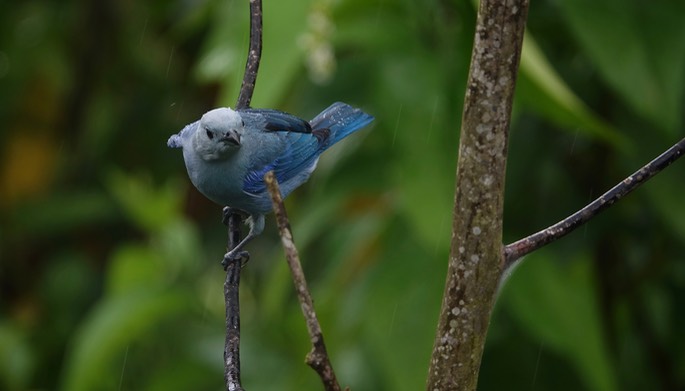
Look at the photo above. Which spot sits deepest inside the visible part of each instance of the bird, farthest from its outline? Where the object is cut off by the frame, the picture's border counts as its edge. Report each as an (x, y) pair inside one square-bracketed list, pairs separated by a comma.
[(228, 152)]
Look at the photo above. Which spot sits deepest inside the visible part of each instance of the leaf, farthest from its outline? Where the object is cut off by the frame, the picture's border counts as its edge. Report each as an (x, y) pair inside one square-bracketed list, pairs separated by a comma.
[(111, 327), (224, 57), (558, 102), (152, 208), (61, 212), (226, 46), (666, 195), (397, 308), (16, 358), (555, 304), (422, 142), (542, 87), (639, 49), (133, 267)]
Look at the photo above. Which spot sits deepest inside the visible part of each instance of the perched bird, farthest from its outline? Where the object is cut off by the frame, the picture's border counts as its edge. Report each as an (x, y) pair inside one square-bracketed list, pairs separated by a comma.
[(227, 152)]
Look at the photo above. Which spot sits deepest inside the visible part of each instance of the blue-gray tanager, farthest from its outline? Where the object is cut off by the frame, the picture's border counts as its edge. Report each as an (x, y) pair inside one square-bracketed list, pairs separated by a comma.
[(227, 152)]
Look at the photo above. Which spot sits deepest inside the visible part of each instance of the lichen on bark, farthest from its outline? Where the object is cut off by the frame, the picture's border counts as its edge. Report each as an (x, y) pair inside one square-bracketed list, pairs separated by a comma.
[(475, 262)]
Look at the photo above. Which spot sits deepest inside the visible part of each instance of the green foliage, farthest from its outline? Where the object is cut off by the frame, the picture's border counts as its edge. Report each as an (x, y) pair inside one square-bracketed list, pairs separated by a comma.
[(554, 303), (543, 89), (109, 260), (644, 65), (116, 323), (15, 357)]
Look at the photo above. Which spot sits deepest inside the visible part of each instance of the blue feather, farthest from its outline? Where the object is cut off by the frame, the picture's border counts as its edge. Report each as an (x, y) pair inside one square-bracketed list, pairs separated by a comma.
[(341, 120), (296, 163)]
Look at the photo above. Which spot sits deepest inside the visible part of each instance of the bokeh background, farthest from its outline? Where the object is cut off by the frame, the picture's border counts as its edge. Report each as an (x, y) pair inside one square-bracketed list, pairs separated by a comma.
[(109, 259)]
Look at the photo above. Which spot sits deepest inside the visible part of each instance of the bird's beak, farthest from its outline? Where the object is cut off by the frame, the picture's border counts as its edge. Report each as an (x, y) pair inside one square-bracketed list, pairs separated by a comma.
[(231, 138)]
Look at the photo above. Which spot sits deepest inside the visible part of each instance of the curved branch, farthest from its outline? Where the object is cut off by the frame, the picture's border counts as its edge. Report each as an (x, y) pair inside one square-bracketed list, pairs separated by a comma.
[(232, 219), (253, 57), (317, 358), (514, 251)]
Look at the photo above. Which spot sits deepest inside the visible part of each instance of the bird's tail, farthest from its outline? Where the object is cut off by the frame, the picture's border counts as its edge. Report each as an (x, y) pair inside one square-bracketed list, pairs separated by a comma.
[(341, 120)]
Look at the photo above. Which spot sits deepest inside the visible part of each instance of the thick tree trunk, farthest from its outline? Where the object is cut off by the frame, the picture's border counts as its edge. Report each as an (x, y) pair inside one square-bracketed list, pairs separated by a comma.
[(476, 255)]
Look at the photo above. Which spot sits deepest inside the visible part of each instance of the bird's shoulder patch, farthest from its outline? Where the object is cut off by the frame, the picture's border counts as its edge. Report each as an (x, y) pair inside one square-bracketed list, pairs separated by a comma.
[(278, 121)]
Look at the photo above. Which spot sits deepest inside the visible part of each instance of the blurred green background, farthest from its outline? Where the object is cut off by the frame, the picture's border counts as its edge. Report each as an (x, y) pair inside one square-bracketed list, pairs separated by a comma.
[(109, 259)]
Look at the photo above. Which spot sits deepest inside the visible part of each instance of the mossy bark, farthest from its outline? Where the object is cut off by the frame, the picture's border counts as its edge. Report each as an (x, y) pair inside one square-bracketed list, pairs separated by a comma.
[(475, 262)]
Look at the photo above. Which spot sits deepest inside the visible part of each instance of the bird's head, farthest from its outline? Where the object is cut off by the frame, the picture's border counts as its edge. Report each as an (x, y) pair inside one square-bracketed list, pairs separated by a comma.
[(219, 134)]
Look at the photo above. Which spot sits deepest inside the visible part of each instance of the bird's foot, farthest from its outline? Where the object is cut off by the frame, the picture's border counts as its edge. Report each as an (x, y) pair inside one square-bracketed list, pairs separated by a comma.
[(235, 256)]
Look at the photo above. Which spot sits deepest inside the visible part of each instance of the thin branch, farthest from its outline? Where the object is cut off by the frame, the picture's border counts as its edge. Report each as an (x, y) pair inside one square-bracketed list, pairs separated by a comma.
[(232, 219), (516, 250), (254, 55), (232, 300), (317, 358)]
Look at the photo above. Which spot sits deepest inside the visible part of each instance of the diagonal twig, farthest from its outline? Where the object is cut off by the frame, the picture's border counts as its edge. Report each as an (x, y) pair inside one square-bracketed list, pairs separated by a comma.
[(232, 218), (514, 251), (317, 358)]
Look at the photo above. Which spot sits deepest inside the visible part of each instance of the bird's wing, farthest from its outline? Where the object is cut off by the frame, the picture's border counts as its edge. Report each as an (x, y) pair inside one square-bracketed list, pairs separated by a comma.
[(293, 166), (278, 121), (297, 160)]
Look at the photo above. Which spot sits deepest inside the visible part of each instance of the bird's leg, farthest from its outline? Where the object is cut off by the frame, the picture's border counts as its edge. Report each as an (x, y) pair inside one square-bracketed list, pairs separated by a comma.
[(256, 223), (237, 252), (234, 254)]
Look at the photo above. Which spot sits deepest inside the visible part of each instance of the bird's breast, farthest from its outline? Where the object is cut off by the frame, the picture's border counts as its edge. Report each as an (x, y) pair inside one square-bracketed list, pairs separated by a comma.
[(222, 181)]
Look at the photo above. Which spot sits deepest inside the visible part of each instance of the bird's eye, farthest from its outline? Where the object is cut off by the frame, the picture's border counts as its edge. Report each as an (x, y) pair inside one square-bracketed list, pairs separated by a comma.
[(242, 123), (209, 134)]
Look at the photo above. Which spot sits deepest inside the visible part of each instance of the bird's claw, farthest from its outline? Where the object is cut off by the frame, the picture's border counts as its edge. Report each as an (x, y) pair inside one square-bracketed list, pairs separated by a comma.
[(235, 256)]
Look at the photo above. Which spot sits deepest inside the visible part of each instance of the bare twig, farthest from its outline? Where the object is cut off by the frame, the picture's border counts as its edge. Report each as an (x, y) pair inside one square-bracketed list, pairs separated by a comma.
[(516, 250), (232, 305), (232, 300), (317, 357), (254, 55), (476, 250), (232, 218)]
